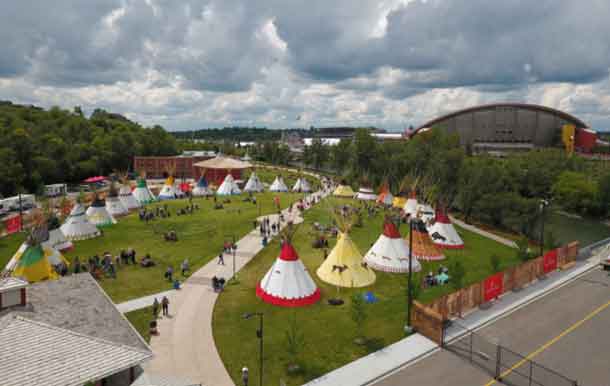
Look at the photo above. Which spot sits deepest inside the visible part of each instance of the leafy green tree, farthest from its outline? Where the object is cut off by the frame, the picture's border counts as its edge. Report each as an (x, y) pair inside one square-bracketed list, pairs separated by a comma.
[(457, 273), (295, 340), (576, 192), (359, 314)]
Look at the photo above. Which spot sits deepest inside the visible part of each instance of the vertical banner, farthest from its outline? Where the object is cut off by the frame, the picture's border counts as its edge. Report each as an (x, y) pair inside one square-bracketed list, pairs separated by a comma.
[(493, 286), (549, 261), (12, 224)]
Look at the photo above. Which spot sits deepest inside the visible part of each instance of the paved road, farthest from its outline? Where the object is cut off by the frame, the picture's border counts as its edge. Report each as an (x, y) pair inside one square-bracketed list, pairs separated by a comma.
[(551, 329)]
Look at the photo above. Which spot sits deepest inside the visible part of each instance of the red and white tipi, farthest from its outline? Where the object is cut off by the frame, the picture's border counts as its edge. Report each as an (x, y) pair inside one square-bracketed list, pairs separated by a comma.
[(443, 232), (390, 253), (288, 283)]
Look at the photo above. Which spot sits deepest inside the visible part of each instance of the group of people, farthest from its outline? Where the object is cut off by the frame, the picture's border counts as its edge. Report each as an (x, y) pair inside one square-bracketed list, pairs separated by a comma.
[(441, 278), (147, 215), (189, 209), (107, 265)]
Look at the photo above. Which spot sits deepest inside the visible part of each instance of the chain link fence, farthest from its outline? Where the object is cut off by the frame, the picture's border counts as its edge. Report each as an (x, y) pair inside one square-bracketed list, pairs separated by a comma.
[(502, 363)]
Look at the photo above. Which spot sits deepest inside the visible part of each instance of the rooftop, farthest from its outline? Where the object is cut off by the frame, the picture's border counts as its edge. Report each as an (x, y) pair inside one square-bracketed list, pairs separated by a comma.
[(223, 162)]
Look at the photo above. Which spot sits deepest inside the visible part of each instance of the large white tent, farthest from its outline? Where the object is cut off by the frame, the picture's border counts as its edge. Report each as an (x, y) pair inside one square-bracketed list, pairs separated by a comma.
[(390, 253), (301, 186), (98, 215), (443, 233), (228, 187), (77, 226), (278, 185), (127, 198), (254, 184), (288, 282), (142, 193)]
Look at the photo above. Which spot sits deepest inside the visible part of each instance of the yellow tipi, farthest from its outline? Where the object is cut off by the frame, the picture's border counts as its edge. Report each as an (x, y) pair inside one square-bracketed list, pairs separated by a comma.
[(344, 266), (344, 191)]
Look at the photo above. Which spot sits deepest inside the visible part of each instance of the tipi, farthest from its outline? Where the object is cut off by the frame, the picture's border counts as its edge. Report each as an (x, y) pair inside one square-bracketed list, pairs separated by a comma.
[(202, 188), (77, 226), (390, 253), (142, 193), (423, 247), (126, 197), (410, 207), (288, 283), (98, 215), (344, 191), (114, 206), (278, 185), (301, 186), (443, 232), (366, 194), (254, 184), (425, 212), (385, 196), (344, 266), (228, 186), (56, 240), (168, 191)]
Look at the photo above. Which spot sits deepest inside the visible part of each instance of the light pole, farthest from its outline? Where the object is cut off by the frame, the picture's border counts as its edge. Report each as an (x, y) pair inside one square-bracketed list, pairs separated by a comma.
[(410, 277), (234, 249), (543, 204), (259, 335)]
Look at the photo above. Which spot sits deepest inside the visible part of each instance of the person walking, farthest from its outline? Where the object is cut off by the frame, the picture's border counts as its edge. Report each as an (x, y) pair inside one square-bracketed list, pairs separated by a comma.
[(165, 305), (169, 273), (155, 308), (185, 267), (244, 376), (221, 259)]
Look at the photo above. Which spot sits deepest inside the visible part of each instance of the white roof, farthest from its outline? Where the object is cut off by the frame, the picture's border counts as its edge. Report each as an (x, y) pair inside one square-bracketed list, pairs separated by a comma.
[(147, 379), (11, 283), (41, 354)]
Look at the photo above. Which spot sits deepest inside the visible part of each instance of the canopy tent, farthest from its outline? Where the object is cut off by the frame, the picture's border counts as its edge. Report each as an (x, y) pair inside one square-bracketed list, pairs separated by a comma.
[(288, 283), (366, 194), (344, 266), (35, 262), (127, 198), (169, 191), (114, 206), (385, 196), (390, 253), (301, 186), (443, 232), (425, 212), (410, 206), (142, 193), (423, 247), (98, 215), (202, 188), (278, 185), (216, 169), (254, 184), (95, 179), (344, 191), (77, 226), (228, 187)]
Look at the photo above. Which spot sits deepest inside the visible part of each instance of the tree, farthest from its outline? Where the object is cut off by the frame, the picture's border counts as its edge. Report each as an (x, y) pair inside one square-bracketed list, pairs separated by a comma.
[(575, 191), (295, 341), (523, 252), (494, 261), (359, 316), (457, 273)]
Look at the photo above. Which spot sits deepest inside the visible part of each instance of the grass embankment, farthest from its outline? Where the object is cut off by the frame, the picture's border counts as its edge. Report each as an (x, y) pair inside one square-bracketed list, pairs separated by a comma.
[(140, 320), (329, 331)]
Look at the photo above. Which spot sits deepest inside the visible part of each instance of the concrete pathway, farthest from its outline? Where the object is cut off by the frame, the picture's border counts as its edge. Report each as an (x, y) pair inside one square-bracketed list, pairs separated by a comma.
[(185, 346), (489, 235), (143, 302)]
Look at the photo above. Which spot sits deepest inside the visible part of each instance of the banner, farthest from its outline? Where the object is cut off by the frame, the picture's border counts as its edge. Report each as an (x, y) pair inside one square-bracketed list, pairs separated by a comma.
[(549, 261), (493, 286), (12, 224)]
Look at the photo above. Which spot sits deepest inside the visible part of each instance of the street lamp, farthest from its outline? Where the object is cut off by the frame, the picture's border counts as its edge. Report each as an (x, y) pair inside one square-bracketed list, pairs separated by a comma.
[(543, 204), (234, 249), (408, 327), (259, 335)]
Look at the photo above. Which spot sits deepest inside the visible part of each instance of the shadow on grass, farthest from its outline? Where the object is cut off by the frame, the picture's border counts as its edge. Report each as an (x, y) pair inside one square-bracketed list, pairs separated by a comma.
[(310, 371), (374, 344)]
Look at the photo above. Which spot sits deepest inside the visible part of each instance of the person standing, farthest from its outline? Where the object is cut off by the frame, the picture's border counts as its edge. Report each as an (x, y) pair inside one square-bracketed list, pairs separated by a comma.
[(165, 305), (155, 308), (244, 376), (185, 267), (221, 258)]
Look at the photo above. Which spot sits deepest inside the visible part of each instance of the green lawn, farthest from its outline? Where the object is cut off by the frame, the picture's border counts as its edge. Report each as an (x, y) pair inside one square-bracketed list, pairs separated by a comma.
[(329, 330), (140, 320), (8, 247), (567, 229)]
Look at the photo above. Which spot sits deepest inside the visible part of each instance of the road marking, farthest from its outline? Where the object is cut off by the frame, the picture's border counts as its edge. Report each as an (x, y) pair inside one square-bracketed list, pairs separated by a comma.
[(551, 342)]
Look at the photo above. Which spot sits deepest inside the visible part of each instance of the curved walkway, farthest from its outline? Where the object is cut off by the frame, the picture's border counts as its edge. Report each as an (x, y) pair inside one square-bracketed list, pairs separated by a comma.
[(484, 233), (185, 346)]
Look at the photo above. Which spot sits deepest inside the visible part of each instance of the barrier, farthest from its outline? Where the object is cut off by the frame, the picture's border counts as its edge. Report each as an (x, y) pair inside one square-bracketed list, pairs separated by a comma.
[(427, 322)]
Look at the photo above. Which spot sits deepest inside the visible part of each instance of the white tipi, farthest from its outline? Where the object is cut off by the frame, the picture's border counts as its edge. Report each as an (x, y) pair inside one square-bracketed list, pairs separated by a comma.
[(301, 186), (390, 253), (56, 240), (98, 215), (168, 191), (443, 232), (410, 207), (254, 184), (127, 199), (228, 187), (77, 226), (288, 283), (142, 193), (202, 188), (366, 194), (278, 185), (114, 206)]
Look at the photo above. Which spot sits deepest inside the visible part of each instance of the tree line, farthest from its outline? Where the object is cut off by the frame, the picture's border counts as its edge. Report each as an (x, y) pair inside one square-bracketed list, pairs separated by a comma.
[(54, 146)]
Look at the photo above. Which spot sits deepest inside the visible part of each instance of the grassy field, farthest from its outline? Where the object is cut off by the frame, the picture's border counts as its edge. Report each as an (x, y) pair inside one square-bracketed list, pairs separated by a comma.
[(140, 320), (329, 331), (567, 229)]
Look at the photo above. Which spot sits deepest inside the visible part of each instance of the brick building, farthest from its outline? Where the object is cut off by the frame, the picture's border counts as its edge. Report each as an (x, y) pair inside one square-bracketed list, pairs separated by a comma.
[(156, 167)]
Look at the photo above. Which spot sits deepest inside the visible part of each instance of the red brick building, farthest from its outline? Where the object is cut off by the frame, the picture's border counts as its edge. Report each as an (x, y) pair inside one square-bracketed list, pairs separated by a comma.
[(156, 167)]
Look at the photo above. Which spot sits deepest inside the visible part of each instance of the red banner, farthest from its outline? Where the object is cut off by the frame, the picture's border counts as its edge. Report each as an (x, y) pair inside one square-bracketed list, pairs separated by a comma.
[(13, 224), (493, 286), (549, 261)]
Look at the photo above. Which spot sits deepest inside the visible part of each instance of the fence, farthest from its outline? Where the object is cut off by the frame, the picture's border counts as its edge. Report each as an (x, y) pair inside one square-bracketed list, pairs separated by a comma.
[(514, 278), (504, 364)]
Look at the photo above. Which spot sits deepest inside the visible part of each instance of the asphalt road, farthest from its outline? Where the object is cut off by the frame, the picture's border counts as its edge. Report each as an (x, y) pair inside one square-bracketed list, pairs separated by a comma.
[(567, 331)]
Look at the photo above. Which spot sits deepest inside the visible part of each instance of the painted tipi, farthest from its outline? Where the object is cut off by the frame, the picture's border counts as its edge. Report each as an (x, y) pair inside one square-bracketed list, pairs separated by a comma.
[(56, 240), (344, 190), (254, 184), (126, 197), (114, 206), (366, 194), (385, 196), (410, 207), (443, 232), (77, 226), (390, 253), (344, 266), (228, 186), (278, 185), (423, 247), (97, 213), (168, 191), (301, 186), (142, 193), (202, 188), (288, 283)]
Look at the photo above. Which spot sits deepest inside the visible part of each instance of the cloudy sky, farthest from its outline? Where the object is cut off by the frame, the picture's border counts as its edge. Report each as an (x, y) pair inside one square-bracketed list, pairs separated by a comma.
[(281, 63)]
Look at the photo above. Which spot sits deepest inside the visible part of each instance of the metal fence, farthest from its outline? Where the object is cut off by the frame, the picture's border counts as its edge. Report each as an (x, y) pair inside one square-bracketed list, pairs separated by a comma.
[(502, 363)]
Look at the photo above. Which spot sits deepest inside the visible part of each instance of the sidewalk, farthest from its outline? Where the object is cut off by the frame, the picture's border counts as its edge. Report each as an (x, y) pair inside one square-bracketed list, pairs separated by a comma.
[(143, 302), (185, 346), (489, 235), (372, 368)]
